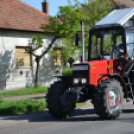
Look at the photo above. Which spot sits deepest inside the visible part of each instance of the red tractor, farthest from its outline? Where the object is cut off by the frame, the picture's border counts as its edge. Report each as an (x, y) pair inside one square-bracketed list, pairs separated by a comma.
[(105, 79)]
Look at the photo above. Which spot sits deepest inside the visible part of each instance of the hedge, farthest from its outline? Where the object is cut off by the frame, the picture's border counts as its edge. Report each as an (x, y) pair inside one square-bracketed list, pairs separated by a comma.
[(68, 72)]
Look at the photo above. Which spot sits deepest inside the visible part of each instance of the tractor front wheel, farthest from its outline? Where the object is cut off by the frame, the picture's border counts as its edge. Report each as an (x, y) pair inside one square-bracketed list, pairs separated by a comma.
[(56, 107), (109, 99)]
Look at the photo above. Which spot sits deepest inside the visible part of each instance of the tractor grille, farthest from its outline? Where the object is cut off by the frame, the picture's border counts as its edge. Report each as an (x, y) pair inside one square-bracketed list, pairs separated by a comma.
[(81, 71)]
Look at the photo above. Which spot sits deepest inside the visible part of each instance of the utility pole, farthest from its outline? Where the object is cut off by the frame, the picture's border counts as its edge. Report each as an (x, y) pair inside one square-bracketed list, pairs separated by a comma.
[(83, 46)]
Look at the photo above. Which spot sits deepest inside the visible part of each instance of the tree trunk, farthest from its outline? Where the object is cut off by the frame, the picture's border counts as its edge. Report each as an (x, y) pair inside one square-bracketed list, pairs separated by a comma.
[(37, 71), (71, 61), (38, 58), (71, 65)]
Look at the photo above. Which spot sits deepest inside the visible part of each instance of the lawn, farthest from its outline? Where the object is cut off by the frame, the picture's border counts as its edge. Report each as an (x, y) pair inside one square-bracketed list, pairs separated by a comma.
[(18, 107), (80, 104), (24, 106), (26, 91)]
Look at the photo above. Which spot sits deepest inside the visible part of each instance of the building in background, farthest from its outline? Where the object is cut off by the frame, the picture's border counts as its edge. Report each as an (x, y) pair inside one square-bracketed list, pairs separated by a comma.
[(124, 3), (18, 23)]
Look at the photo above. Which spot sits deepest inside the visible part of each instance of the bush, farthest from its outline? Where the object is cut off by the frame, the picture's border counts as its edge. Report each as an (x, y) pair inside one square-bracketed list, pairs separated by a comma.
[(68, 72)]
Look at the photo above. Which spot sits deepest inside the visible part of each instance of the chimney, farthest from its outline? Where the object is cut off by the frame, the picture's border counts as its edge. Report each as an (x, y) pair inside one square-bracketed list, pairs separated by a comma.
[(45, 7)]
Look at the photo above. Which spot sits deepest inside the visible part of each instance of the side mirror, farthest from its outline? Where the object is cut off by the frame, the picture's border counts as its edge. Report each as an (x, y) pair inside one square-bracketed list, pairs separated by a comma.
[(76, 39)]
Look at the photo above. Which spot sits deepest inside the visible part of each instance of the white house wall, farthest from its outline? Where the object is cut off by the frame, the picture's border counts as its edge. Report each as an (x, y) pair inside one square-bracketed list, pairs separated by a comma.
[(10, 76)]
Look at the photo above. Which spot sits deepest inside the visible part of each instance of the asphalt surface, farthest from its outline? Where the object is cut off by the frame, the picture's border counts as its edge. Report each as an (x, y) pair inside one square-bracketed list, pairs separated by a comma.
[(83, 121)]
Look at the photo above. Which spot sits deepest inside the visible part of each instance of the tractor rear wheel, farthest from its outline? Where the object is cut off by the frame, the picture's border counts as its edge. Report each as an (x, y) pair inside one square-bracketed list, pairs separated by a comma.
[(54, 104), (109, 99)]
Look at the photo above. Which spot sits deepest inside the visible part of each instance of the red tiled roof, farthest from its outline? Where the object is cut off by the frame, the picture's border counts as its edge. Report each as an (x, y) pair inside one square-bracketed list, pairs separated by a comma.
[(125, 3), (17, 15)]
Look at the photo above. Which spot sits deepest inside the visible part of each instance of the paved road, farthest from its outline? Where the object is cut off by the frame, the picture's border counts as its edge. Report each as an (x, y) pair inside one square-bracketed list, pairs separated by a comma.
[(83, 121)]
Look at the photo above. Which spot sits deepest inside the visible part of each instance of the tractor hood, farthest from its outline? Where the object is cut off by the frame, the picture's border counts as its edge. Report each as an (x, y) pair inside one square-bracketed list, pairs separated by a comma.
[(118, 16)]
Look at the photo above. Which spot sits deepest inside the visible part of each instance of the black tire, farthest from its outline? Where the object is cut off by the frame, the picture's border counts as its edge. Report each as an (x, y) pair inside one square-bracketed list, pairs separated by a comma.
[(56, 109), (102, 100)]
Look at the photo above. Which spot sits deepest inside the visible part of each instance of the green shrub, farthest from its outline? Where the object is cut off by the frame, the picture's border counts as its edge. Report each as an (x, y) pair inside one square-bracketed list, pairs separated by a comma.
[(68, 72)]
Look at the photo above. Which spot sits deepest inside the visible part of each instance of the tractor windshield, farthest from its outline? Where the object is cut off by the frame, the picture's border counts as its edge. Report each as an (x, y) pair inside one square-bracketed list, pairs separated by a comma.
[(106, 44)]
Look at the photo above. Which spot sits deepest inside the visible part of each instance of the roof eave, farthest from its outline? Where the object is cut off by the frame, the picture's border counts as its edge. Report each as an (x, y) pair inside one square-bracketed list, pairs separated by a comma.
[(20, 30)]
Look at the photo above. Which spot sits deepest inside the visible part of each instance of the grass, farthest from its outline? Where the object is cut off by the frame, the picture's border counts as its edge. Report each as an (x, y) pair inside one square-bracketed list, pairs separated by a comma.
[(18, 107), (25, 106), (80, 104), (26, 91)]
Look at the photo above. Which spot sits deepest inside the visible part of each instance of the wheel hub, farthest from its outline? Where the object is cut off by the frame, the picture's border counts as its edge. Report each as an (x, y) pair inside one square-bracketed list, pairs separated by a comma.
[(113, 100)]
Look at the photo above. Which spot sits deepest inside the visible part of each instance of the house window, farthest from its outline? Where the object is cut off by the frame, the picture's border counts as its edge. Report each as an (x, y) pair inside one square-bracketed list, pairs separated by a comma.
[(23, 58), (58, 57)]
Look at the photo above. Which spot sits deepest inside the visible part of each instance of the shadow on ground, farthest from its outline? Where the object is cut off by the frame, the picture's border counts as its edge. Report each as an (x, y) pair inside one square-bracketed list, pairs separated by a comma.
[(78, 116), (128, 110)]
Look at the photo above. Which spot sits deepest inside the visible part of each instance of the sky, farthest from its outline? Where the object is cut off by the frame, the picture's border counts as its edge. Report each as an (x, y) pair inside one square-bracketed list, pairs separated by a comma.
[(53, 4)]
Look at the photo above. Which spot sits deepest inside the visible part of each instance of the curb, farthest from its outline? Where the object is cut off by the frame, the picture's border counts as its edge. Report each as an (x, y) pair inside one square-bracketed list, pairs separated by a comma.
[(37, 96)]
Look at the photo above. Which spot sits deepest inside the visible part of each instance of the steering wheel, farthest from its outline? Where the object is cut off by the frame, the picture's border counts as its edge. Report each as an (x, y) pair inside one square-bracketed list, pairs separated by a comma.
[(100, 56), (112, 48)]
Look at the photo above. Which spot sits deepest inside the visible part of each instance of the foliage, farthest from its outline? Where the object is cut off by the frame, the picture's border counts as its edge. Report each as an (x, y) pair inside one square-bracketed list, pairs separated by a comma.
[(36, 42), (96, 10), (68, 19), (54, 53), (27, 91), (68, 72), (69, 50), (22, 106), (67, 22), (78, 105)]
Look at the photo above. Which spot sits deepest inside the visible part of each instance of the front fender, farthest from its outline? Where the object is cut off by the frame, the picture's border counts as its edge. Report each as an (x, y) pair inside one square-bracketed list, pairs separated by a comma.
[(65, 78)]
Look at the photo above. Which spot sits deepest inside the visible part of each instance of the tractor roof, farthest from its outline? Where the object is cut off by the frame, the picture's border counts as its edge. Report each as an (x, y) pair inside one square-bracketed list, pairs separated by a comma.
[(117, 16)]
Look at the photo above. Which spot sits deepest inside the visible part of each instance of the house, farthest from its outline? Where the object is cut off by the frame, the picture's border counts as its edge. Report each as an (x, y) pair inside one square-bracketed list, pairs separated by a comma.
[(124, 3), (18, 23)]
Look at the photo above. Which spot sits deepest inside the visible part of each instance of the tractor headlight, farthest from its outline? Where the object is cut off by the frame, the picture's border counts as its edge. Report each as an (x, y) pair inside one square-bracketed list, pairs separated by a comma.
[(84, 80), (76, 80)]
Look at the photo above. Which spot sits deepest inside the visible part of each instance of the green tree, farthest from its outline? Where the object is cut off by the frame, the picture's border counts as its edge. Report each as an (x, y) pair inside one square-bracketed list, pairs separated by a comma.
[(90, 12), (96, 10), (67, 22), (65, 25), (70, 52), (36, 43)]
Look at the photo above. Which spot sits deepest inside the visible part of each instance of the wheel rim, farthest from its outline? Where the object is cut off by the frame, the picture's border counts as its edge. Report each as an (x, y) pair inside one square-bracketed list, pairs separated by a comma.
[(114, 100)]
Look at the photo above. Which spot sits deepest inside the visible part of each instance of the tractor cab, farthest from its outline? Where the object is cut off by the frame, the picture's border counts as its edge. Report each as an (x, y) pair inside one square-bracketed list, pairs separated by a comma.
[(111, 42), (107, 43)]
